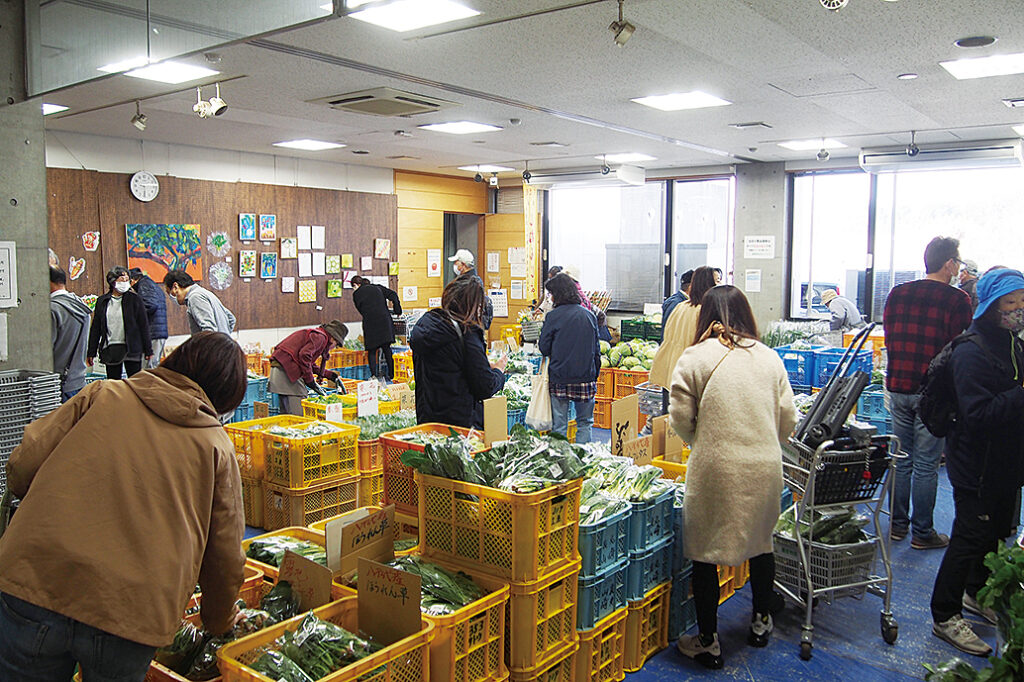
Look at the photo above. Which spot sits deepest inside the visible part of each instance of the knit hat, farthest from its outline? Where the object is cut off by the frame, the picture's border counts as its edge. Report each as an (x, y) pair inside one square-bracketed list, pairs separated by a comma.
[(827, 296), (996, 283), (337, 330)]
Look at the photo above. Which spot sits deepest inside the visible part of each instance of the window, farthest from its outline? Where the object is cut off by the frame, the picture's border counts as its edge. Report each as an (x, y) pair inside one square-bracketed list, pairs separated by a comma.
[(613, 236), (702, 226)]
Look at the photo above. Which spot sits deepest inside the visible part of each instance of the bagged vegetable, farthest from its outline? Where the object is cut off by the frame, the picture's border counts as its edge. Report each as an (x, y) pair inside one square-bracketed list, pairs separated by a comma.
[(271, 550), (179, 655), (280, 603), (320, 647), (277, 666), (205, 665)]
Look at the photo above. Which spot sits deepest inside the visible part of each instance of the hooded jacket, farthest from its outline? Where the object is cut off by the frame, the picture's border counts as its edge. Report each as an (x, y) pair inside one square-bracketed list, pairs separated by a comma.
[(371, 302), (453, 376), (69, 324), (156, 306), (569, 339), (115, 532)]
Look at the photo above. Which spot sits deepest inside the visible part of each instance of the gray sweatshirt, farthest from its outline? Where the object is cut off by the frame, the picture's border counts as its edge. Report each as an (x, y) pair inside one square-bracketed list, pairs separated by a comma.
[(206, 312), (69, 317)]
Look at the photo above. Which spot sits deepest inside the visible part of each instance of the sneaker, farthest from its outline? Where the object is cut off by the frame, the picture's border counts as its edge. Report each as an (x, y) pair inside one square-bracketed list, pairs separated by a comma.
[(957, 632), (971, 605), (760, 629), (897, 534), (933, 541), (708, 655)]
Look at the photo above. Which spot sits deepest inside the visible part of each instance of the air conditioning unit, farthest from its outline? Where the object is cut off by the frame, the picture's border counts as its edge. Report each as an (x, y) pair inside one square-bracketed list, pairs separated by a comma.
[(986, 154), (385, 102)]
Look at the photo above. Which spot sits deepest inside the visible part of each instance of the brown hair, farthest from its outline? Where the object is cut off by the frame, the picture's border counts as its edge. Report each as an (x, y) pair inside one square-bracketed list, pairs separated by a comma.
[(215, 362), (726, 305), (463, 299), (563, 290), (703, 280)]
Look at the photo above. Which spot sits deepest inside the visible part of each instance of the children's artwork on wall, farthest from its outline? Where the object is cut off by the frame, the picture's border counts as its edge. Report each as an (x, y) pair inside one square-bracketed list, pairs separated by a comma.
[(221, 275), (91, 240), (218, 244), (349, 274), (289, 247), (382, 248), (268, 228), (159, 248), (346, 260), (246, 264), (333, 265), (392, 268), (367, 263), (268, 265), (90, 300), (76, 266), (307, 290), (287, 285), (246, 227), (335, 288)]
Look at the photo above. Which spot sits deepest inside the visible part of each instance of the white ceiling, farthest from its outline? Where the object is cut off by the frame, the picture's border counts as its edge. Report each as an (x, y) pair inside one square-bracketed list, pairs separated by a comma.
[(804, 70)]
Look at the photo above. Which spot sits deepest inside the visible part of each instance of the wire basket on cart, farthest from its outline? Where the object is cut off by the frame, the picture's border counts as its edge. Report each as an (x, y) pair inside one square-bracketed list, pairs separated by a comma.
[(840, 476), (832, 566), (649, 395), (531, 330)]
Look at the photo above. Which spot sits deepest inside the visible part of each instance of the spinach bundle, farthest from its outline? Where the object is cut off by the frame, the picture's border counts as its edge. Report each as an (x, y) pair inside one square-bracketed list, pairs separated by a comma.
[(280, 603), (320, 647), (371, 426), (205, 665), (271, 550), (277, 666), (442, 592), (178, 656)]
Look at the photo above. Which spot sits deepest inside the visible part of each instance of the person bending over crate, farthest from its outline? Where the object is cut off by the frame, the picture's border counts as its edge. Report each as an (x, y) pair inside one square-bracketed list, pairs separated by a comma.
[(294, 363)]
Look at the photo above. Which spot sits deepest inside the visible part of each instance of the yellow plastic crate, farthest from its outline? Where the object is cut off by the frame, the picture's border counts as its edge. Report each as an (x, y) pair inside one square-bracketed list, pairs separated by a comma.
[(299, 533), (317, 410), (646, 627), (247, 438), (388, 406), (570, 431), (300, 462), (672, 470), (519, 537), (560, 667), (600, 656), (403, 367), (407, 660), (370, 456), (542, 617), (252, 501), (741, 575), (371, 488), (284, 507)]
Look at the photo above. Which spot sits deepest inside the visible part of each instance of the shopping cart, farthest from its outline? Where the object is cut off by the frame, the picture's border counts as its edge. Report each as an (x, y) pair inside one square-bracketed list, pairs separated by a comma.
[(837, 473)]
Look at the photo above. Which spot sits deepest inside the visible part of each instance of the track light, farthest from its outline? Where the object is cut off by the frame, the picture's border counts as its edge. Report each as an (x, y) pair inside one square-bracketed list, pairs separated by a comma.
[(493, 180), (217, 105), (202, 109), (527, 174), (621, 29), (139, 119), (912, 148)]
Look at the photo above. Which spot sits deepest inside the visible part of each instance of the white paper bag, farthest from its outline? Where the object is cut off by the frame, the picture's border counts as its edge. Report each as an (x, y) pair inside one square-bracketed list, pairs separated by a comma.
[(538, 416)]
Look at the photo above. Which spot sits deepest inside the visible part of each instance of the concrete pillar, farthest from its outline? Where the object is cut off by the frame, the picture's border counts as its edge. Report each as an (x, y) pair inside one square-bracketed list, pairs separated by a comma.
[(761, 211), (23, 214)]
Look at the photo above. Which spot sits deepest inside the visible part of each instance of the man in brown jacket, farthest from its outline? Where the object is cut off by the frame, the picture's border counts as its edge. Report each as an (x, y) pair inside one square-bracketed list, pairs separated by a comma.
[(130, 496)]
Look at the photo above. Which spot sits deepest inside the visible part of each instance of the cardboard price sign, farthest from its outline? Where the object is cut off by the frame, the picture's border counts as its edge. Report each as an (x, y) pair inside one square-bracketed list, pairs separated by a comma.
[(370, 536), (366, 395), (495, 419), (673, 446), (334, 412), (625, 415), (389, 602), (639, 450), (659, 425), (404, 395), (310, 581), (260, 410)]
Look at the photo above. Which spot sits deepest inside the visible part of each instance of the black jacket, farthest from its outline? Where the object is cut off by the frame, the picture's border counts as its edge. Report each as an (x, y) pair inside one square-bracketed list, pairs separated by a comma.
[(155, 301), (371, 302), (985, 450), (488, 314), (136, 325), (569, 339), (453, 376)]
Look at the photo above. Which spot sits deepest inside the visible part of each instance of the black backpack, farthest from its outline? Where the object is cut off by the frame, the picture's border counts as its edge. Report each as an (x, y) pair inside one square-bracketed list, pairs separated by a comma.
[(938, 405)]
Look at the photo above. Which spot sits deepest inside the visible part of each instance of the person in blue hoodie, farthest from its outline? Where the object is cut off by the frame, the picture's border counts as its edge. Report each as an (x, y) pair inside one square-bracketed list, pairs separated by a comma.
[(453, 374), (984, 453), (569, 340)]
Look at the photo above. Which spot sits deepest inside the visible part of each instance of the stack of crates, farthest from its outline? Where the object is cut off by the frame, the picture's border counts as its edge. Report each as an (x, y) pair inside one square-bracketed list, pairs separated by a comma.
[(800, 366), (601, 610), (871, 409), (256, 390), (826, 361), (25, 395), (605, 397), (403, 367)]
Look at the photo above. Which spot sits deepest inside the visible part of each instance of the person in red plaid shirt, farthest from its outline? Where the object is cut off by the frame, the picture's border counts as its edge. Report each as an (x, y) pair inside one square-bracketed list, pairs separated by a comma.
[(920, 318)]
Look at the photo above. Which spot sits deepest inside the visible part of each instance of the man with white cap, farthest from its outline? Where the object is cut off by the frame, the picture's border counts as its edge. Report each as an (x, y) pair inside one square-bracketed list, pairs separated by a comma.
[(969, 281), (463, 264), (844, 311)]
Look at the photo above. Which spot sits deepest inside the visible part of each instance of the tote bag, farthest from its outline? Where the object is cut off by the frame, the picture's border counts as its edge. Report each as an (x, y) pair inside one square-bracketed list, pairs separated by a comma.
[(538, 416)]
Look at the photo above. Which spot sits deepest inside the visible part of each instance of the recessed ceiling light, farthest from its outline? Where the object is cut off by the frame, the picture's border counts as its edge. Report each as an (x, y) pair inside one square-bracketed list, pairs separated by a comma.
[(409, 15), (677, 101), (402, 157), (485, 168), (749, 125), (548, 144), (460, 127), (983, 67), (309, 145), (626, 157), (1019, 130), (907, 76), (816, 143), (975, 41), (172, 72), (123, 65), (1014, 102), (53, 109)]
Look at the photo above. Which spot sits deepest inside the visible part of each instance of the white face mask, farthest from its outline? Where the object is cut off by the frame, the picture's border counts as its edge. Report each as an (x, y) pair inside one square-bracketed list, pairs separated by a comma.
[(455, 267), (122, 287)]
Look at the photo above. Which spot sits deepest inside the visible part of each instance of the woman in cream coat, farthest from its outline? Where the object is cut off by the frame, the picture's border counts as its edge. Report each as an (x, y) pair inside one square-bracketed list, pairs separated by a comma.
[(731, 399), (681, 327)]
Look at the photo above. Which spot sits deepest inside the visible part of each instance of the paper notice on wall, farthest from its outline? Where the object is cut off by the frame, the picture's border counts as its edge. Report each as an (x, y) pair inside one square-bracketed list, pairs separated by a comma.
[(517, 255), (752, 282), (319, 263), (8, 275), (499, 300), (433, 262), (379, 279), (3, 337), (287, 285), (319, 236), (516, 290), (410, 293), (305, 264), (518, 270), (367, 263), (304, 233), (759, 246), (493, 261), (434, 302)]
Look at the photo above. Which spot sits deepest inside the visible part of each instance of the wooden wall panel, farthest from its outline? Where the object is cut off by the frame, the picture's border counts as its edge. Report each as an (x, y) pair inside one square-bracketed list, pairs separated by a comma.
[(499, 232), (82, 200)]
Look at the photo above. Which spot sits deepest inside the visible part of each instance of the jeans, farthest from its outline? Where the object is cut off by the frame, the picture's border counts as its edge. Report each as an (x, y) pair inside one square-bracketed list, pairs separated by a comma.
[(706, 590), (68, 395), (917, 474), (979, 525), (38, 645), (584, 417), (158, 352), (375, 369)]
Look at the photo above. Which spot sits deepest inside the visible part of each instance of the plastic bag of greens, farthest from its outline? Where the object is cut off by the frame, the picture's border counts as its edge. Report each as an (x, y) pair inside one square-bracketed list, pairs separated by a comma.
[(271, 550), (277, 666), (178, 656), (280, 603), (443, 591), (320, 647), (205, 665)]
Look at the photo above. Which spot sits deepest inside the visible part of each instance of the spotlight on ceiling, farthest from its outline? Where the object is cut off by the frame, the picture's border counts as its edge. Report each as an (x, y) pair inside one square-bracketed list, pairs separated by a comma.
[(621, 29), (139, 119), (823, 155), (912, 148), (202, 109), (217, 105)]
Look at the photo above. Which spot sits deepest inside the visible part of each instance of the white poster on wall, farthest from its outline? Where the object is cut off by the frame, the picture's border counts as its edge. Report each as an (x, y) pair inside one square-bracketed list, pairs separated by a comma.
[(287, 285), (517, 270), (305, 265), (410, 293), (752, 282), (433, 262), (499, 300), (304, 237), (319, 263), (759, 246), (516, 290), (8, 275), (434, 302), (493, 261), (319, 236)]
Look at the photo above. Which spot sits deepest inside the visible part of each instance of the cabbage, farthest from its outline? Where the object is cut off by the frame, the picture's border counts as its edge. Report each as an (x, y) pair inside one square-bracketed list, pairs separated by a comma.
[(605, 347), (605, 362), (630, 362)]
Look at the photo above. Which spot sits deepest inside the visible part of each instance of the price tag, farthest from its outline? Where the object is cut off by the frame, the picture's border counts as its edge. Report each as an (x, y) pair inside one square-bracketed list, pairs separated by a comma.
[(495, 419), (639, 450), (334, 412), (625, 414), (356, 535), (260, 410), (310, 581), (404, 395), (366, 395), (389, 602)]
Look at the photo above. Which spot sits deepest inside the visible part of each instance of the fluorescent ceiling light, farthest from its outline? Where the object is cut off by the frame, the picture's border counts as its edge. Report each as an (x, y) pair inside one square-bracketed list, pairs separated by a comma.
[(810, 145), (309, 145), (53, 109), (460, 127), (681, 100), (628, 157), (124, 65), (982, 67), (1019, 130), (172, 72), (409, 15), (485, 168)]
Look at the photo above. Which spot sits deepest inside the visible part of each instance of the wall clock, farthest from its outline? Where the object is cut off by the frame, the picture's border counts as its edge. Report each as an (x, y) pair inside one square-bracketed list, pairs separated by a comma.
[(145, 186)]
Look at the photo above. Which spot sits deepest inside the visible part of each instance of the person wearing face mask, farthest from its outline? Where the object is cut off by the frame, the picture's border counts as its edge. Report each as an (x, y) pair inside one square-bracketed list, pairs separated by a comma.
[(120, 328), (920, 318), (462, 264), (205, 311), (985, 453)]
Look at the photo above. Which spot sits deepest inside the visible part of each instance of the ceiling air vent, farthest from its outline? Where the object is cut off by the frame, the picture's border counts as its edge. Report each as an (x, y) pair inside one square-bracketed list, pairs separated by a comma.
[(385, 102)]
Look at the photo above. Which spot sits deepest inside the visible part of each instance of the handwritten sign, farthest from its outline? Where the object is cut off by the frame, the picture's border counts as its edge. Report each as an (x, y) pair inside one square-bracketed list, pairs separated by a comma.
[(260, 410), (625, 415), (389, 602), (673, 446), (310, 581), (495, 419), (658, 427), (9, 275), (366, 535), (366, 397), (403, 394), (639, 450)]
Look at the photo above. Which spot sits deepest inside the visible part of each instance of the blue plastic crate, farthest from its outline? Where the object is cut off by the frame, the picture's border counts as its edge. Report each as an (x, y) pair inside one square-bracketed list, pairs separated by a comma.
[(800, 388), (516, 417), (682, 611), (786, 501), (255, 390), (536, 361), (604, 544), (679, 561), (871, 404), (91, 377), (827, 361), (799, 362), (651, 522), (648, 569), (600, 594), (361, 372), (243, 413)]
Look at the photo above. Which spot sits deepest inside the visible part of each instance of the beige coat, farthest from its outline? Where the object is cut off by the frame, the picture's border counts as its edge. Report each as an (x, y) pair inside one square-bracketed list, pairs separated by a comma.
[(679, 332), (735, 417), (130, 496)]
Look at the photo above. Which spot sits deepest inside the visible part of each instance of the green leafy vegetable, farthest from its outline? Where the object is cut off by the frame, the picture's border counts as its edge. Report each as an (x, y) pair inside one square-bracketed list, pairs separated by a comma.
[(271, 550), (281, 603)]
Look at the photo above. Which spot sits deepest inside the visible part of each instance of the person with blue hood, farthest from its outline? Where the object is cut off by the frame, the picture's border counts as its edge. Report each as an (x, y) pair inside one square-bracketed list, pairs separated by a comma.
[(984, 453)]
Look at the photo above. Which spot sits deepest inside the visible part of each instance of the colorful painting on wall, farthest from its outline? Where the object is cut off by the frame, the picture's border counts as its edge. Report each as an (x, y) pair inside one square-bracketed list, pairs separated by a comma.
[(335, 287), (289, 247), (307, 290), (91, 240), (76, 266), (268, 265), (159, 248), (247, 226), (268, 228), (332, 265), (382, 248), (346, 260), (219, 244), (392, 268), (246, 263)]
